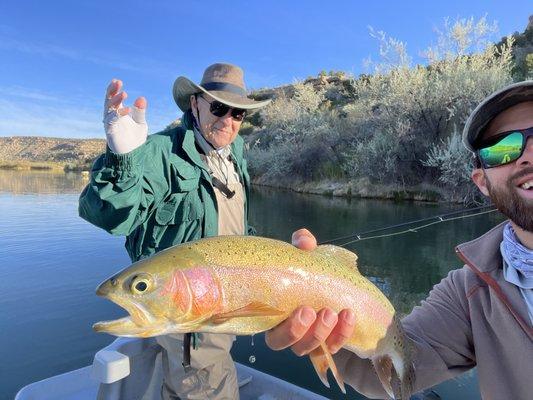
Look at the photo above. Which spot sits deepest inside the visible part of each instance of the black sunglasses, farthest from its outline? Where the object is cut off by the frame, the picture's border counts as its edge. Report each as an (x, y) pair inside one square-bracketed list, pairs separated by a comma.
[(219, 109), (503, 148)]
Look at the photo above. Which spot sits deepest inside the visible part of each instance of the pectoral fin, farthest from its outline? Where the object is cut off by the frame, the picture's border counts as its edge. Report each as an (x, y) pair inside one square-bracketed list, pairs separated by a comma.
[(383, 366), (322, 361), (255, 309)]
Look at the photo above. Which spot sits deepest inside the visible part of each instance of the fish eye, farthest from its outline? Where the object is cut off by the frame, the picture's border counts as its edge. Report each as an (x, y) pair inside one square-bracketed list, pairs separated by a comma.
[(141, 284)]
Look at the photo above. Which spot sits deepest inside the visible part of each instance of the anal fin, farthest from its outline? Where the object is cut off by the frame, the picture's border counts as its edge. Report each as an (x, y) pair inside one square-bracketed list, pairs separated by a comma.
[(383, 367), (322, 361)]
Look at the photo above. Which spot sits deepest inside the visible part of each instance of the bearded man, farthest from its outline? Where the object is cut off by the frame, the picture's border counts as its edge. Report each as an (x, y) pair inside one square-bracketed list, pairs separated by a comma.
[(478, 316)]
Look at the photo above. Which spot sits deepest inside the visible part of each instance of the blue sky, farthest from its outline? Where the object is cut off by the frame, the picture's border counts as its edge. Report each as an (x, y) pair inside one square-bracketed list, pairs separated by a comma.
[(57, 57)]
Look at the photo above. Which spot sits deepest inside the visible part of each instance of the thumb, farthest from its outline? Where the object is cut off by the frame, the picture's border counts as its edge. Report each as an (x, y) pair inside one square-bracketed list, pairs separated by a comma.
[(138, 112), (140, 102), (304, 240)]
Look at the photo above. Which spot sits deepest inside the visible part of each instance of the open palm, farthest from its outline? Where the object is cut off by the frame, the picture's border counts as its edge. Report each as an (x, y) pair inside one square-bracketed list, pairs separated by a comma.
[(125, 127)]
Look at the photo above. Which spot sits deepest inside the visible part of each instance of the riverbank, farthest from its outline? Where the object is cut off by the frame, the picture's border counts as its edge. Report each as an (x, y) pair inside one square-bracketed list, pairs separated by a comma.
[(18, 165), (365, 189), (47, 153)]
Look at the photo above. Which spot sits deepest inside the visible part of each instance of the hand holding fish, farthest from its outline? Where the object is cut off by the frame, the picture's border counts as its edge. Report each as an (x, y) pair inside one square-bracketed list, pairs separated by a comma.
[(125, 127), (305, 330)]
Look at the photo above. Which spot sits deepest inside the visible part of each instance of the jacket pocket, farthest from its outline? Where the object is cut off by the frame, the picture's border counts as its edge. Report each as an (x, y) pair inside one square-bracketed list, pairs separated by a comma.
[(187, 177), (167, 212), (181, 207)]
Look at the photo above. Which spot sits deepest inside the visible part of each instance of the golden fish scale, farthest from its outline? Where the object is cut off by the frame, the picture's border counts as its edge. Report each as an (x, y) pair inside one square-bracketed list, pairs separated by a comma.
[(261, 253), (310, 277)]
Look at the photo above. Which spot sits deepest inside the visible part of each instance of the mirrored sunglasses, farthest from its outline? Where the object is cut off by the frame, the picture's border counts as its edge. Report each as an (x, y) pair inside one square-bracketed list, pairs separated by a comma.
[(503, 148), (219, 109)]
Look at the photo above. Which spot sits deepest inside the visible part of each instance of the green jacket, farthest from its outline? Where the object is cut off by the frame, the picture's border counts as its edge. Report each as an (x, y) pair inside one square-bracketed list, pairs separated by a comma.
[(157, 195)]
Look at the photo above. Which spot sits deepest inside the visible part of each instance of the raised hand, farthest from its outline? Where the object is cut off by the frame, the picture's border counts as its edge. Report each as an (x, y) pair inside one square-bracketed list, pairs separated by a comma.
[(125, 127)]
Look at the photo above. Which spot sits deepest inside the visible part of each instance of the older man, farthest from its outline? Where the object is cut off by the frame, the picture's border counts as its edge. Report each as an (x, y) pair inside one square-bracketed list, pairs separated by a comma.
[(480, 315), (178, 185)]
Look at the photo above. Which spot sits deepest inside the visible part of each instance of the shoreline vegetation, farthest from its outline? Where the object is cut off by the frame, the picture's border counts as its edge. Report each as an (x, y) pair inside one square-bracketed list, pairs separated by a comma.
[(392, 134)]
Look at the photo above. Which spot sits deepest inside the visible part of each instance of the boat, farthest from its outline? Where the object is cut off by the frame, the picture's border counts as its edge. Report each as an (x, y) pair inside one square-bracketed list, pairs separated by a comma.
[(130, 369), (118, 369)]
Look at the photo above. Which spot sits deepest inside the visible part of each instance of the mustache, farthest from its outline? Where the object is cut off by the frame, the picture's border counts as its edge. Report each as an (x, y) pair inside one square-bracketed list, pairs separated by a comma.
[(521, 174)]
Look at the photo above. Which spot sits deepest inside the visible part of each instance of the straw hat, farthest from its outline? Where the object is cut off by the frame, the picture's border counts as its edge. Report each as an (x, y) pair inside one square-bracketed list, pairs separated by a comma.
[(223, 82)]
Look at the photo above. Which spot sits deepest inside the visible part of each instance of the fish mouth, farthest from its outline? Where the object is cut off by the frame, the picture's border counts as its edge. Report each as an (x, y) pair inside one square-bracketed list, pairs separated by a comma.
[(139, 322), (121, 327)]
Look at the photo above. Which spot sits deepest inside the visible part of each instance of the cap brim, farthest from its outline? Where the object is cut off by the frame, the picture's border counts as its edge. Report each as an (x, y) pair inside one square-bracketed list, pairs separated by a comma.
[(493, 105), (184, 88)]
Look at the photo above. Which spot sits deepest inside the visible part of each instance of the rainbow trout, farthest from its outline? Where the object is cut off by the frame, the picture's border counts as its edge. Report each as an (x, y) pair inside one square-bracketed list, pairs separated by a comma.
[(244, 285)]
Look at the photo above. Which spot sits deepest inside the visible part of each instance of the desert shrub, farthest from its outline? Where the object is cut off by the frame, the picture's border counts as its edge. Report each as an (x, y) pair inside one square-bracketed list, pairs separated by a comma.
[(394, 124), (299, 136), (413, 108), (454, 163)]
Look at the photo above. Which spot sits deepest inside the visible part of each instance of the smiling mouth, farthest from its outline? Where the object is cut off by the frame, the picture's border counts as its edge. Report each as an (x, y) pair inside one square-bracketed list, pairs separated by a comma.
[(528, 185)]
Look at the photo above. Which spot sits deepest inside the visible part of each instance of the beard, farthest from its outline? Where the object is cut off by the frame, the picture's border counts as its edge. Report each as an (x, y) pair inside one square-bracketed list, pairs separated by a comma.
[(510, 204)]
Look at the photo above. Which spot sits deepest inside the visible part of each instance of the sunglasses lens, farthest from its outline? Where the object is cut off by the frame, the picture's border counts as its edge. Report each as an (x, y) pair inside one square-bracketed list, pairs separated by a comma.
[(503, 152), (218, 109), (238, 114)]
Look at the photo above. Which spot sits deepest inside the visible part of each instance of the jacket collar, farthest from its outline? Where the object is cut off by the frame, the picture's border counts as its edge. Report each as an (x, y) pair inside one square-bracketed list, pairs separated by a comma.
[(484, 252), (483, 257), (185, 140)]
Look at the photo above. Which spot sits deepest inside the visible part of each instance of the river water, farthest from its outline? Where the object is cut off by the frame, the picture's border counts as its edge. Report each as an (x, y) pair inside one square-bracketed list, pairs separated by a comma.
[(51, 261)]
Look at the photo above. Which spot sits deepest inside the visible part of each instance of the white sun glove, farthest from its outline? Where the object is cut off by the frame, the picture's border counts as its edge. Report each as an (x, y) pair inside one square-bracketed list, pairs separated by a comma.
[(124, 133)]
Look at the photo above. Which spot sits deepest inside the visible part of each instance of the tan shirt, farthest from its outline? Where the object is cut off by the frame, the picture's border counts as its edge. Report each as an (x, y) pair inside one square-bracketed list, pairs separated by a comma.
[(230, 211)]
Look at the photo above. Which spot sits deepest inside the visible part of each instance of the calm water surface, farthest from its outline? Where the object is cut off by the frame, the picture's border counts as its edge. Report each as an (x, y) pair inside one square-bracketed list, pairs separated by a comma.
[(51, 261)]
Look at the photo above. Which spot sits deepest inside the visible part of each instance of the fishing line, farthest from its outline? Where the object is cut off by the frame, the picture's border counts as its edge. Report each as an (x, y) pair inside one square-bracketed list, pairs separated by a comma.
[(439, 218)]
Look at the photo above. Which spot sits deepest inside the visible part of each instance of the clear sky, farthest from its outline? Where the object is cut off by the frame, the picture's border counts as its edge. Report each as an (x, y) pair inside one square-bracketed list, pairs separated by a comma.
[(57, 57)]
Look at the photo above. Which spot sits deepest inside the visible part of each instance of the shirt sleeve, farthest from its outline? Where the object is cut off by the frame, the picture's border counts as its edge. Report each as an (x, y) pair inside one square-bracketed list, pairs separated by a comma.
[(124, 189), (441, 337)]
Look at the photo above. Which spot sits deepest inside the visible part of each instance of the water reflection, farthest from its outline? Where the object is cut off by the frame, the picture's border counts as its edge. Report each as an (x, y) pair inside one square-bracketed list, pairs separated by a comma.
[(405, 267), (41, 182), (51, 261)]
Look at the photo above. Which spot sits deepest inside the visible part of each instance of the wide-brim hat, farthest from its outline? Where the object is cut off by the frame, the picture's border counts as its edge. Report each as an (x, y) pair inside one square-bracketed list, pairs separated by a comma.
[(493, 105), (223, 82)]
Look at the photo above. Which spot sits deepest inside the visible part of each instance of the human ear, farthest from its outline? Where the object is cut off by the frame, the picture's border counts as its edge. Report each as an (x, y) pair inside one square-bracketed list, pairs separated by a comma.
[(194, 106), (480, 179)]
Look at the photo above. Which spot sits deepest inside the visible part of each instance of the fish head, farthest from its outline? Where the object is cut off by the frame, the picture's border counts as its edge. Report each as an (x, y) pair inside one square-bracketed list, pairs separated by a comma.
[(171, 292)]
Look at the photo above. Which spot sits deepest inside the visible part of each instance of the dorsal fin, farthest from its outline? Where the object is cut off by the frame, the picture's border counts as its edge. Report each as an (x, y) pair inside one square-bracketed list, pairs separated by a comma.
[(347, 257)]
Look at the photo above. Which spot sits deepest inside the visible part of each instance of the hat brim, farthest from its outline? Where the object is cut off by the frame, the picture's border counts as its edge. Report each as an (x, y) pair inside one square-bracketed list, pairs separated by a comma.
[(184, 88), (493, 105)]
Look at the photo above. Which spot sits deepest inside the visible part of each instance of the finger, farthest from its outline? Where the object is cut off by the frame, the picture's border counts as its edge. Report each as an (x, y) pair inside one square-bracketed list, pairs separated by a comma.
[(116, 101), (113, 88), (318, 333), (303, 239), (123, 111), (138, 112), (291, 330), (138, 115), (342, 331), (140, 102)]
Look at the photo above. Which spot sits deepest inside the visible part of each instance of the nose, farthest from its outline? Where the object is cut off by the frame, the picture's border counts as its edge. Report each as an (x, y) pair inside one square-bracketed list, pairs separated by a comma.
[(527, 156), (227, 119)]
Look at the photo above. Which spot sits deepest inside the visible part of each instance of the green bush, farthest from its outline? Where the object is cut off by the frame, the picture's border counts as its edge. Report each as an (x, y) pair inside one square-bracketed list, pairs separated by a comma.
[(397, 125)]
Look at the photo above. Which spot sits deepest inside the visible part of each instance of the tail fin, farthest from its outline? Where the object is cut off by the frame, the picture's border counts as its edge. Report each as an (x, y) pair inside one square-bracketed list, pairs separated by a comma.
[(398, 359)]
